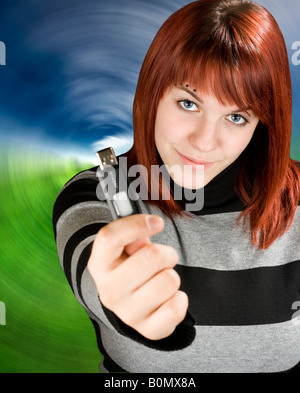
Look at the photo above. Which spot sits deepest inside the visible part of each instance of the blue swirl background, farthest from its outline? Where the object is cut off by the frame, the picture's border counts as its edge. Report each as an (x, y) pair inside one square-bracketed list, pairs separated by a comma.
[(72, 68), (66, 90)]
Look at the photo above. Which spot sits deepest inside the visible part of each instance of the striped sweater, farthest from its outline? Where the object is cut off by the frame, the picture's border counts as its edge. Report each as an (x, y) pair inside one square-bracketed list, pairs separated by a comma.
[(243, 301)]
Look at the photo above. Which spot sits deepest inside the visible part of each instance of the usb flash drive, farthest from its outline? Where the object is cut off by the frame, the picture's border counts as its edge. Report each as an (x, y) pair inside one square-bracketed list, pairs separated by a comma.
[(120, 199)]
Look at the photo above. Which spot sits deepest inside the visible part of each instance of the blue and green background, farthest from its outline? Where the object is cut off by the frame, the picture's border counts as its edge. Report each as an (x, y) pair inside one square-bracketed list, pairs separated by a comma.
[(67, 90)]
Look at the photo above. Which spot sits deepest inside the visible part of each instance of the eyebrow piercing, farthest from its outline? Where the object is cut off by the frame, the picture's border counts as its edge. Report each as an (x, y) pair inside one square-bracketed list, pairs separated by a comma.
[(194, 90)]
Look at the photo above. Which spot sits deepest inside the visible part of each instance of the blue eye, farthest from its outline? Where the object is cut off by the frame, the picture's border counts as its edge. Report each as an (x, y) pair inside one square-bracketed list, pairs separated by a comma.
[(237, 119), (188, 105)]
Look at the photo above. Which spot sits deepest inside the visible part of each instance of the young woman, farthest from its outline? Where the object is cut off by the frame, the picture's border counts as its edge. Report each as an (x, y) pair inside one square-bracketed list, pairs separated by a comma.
[(216, 289)]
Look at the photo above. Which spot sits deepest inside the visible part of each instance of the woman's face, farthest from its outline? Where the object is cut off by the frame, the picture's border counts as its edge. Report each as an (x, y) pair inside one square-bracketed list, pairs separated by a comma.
[(196, 131)]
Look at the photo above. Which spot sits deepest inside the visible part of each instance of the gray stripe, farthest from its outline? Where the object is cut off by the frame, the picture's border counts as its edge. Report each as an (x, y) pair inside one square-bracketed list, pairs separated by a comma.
[(204, 232), (78, 216), (249, 349), (77, 252), (217, 242), (90, 296)]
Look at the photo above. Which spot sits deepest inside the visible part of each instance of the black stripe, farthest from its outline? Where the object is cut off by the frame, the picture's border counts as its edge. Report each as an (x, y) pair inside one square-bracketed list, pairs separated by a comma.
[(73, 242), (242, 297), (231, 206), (79, 191)]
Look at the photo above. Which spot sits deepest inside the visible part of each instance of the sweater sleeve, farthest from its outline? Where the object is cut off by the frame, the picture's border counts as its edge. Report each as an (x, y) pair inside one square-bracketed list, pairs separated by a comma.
[(78, 215)]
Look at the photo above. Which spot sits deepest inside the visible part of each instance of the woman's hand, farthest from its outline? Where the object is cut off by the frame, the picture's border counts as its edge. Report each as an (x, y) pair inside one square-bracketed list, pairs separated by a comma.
[(135, 278)]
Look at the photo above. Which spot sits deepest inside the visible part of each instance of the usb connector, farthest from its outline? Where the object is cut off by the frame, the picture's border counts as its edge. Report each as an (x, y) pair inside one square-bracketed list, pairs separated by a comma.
[(107, 157), (114, 184)]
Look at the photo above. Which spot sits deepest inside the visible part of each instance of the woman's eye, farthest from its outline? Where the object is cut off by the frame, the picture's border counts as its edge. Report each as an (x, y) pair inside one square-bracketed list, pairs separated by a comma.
[(188, 105), (237, 119)]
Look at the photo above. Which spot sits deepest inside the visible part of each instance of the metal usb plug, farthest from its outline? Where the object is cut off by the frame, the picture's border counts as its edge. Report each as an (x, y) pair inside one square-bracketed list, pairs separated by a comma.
[(116, 191), (107, 157)]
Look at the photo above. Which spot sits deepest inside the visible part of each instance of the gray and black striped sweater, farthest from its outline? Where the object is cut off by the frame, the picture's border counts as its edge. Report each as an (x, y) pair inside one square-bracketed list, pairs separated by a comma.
[(243, 301)]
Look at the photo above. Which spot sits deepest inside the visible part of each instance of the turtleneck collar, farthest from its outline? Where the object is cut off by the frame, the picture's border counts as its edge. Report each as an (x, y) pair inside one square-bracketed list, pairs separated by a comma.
[(218, 192)]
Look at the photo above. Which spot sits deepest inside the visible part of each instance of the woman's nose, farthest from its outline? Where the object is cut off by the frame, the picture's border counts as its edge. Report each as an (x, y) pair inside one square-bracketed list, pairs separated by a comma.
[(204, 136)]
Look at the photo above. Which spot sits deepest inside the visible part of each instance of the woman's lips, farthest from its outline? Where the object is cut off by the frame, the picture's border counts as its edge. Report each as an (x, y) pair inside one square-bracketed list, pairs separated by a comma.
[(195, 163)]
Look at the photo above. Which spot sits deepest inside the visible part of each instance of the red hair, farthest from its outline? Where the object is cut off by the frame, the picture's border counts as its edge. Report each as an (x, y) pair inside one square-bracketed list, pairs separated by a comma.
[(235, 49)]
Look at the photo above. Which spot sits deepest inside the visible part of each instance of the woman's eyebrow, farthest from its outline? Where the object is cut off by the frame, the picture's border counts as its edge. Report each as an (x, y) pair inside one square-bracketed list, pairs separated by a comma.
[(191, 93), (242, 110), (197, 98)]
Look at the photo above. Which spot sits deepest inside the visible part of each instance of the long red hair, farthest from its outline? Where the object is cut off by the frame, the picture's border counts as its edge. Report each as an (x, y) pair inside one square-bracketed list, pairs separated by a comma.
[(235, 49)]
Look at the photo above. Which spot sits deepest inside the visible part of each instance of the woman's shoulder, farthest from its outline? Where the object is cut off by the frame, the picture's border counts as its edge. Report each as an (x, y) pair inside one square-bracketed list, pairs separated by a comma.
[(81, 192)]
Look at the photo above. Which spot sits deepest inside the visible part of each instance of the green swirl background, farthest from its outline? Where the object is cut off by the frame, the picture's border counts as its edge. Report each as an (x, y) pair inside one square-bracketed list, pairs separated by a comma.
[(46, 329)]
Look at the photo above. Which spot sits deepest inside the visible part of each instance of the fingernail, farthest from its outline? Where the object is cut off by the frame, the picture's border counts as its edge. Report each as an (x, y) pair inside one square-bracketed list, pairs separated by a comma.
[(154, 222)]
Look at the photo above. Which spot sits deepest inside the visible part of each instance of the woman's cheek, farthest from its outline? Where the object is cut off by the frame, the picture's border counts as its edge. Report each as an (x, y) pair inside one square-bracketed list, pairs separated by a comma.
[(174, 131), (166, 133)]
